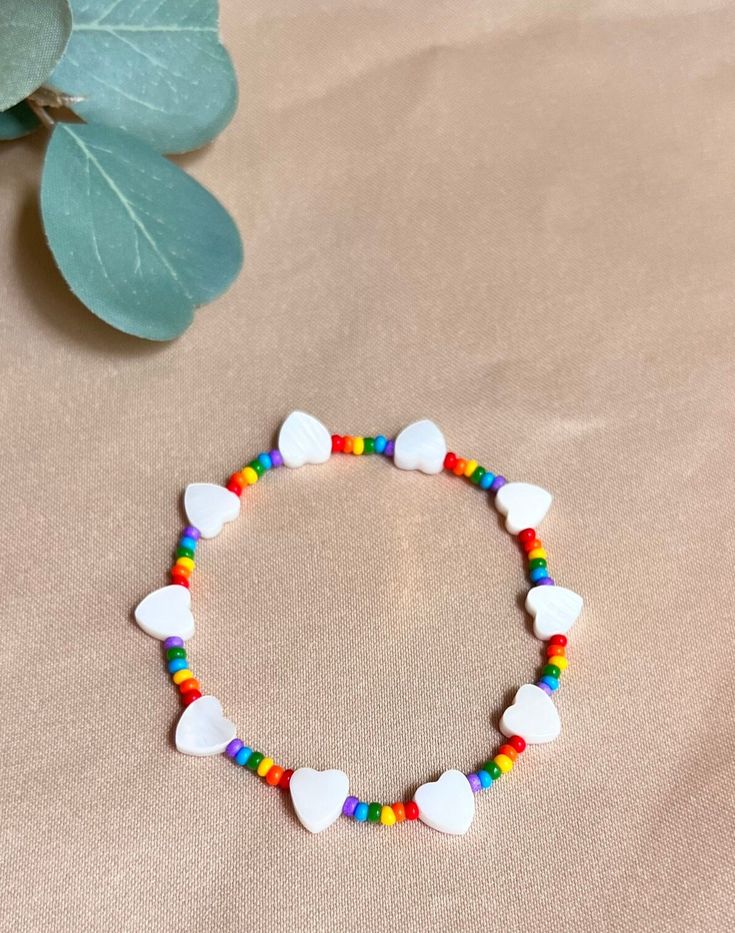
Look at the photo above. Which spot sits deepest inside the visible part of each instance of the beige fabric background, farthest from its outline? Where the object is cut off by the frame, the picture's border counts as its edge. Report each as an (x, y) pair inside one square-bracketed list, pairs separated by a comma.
[(516, 218)]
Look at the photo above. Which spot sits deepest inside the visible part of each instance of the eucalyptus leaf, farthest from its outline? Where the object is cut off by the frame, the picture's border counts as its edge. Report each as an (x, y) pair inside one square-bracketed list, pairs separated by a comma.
[(18, 121), (33, 36), (138, 240), (154, 68)]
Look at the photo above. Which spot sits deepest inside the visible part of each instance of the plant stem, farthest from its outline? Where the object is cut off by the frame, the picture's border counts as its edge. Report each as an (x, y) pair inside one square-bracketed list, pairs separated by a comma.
[(41, 113)]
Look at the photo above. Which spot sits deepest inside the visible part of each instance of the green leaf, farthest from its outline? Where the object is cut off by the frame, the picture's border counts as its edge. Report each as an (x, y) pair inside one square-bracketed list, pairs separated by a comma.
[(33, 36), (139, 242), (18, 121), (154, 68)]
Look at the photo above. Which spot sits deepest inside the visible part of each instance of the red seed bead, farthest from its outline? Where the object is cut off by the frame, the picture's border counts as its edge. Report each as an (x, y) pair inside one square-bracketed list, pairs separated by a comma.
[(274, 775), (518, 743), (558, 640), (189, 697), (411, 810), (191, 684), (400, 811), (552, 650), (509, 751), (527, 535), (180, 581), (180, 576), (285, 779), (459, 466), (338, 445), (450, 460), (234, 484)]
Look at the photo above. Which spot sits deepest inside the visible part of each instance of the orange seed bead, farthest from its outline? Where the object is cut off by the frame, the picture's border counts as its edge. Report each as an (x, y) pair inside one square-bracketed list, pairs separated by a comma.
[(551, 650), (509, 751), (191, 684), (400, 812), (274, 775)]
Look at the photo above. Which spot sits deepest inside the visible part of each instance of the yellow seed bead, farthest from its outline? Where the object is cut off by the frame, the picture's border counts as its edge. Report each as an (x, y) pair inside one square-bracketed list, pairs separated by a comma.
[(250, 476), (537, 552), (180, 676), (504, 763), (559, 661), (265, 766), (387, 816), (470, 467), (186, 562), (358, 445)]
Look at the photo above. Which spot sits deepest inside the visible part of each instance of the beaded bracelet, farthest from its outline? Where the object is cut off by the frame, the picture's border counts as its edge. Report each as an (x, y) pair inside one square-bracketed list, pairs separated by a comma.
[(320, 797)]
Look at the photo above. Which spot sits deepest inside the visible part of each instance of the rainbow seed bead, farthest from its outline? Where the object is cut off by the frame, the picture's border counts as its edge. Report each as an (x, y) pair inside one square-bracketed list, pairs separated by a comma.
[(349, 806), (387, 816), (242, 756)]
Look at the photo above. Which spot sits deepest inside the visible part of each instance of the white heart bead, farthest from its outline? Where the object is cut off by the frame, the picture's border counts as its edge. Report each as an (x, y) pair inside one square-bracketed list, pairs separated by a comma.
[(318, 796), (208, 506), (304, 439), (533, 716), (166, 612), (202, 728), (554, 610), (448, 804), (523, 505), (420, 446)]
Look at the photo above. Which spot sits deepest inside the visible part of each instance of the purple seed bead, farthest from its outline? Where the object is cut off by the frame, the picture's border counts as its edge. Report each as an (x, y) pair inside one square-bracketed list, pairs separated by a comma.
[(545, 687), (234, 747), (475, 783), (349, 806), (389, 448), (497, 483), (173, 642), (276, 458), (191, 532), (544, 581)]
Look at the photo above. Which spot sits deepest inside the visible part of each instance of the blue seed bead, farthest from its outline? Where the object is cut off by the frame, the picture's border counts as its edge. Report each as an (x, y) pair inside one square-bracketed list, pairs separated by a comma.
[(380, 443), (487, 480), (242, 756), (178, 664), (361, 812), (539, 573), (265, 460), (551, 682), (188, 542), (485, 779)]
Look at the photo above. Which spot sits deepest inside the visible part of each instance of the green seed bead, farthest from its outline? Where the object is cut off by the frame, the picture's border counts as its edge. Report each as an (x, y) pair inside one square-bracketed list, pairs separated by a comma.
[(373, 812), (493, 769), (254, 760), (369, 445), (185, 552), (257, 466), (537, 562), (175, 653), (477, 475), (551, 670)]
